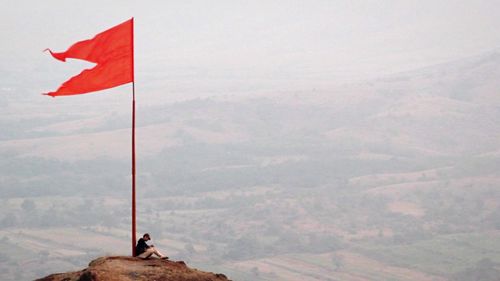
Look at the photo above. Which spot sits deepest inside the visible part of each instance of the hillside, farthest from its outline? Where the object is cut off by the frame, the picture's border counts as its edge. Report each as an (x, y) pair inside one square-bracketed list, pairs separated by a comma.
[(447, 109), (389, 179), (128, 269)]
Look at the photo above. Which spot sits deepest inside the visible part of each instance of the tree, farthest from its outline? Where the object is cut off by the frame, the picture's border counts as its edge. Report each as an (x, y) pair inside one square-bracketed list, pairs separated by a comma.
[(28, 205), (337, 262), (9, 220), (484, 270), (189, 248), (255, 271)]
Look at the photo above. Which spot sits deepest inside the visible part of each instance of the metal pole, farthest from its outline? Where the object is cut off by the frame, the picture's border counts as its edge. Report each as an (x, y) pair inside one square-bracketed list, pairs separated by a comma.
[(133, 147)]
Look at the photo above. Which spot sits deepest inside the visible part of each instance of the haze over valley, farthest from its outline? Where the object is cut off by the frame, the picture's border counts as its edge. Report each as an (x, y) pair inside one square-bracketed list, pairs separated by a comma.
[(274, 147)]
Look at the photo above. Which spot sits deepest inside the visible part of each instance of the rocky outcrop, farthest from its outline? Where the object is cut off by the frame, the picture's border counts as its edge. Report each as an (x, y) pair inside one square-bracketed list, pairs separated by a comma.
[(130, 268)]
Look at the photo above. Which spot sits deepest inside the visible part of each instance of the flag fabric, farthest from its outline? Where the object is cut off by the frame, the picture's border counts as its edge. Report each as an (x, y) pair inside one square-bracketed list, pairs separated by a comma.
[(112, 51)]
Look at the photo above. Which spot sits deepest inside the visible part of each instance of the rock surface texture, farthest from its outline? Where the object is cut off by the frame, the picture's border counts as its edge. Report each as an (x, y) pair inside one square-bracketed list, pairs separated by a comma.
[(129, 268)]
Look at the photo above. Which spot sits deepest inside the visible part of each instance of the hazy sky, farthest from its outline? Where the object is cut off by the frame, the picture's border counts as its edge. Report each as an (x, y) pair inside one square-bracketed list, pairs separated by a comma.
[(225, 45)]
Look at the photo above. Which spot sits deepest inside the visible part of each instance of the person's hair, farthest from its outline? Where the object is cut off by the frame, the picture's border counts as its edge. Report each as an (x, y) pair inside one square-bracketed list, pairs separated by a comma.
[(146, 235)]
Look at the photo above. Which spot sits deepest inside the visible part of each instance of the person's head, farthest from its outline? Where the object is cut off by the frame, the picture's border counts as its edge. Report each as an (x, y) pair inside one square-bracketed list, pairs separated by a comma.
[(146, 236)]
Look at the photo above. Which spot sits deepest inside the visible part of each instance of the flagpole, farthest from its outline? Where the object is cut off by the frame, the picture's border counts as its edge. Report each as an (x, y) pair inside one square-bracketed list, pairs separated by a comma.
[(133, 147), (133, 171)]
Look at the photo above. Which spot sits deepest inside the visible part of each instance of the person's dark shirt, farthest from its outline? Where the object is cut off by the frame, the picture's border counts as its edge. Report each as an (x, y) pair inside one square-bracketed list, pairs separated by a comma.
[(141, 247)]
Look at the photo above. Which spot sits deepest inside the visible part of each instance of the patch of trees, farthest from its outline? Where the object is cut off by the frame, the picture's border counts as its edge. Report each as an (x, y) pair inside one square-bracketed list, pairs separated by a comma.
[(86, 212), (253, 246), (484, 270)]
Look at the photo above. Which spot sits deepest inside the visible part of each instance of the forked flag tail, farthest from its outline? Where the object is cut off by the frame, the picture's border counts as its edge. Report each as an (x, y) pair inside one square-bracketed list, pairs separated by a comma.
[(111, 50)]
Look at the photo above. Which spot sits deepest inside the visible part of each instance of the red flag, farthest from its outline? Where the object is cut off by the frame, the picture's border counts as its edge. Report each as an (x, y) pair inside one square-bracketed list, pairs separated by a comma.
[(113, 52)]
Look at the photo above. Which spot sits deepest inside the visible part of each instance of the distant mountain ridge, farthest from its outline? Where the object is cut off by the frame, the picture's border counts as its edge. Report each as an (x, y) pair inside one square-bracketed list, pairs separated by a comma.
[(449, 103)]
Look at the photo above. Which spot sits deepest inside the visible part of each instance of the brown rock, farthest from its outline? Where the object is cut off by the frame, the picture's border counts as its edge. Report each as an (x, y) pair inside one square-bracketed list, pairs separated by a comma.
[(129, 268)]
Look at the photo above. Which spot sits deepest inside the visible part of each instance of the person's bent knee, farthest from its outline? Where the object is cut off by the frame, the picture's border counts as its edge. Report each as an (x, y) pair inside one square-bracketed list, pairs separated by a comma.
[(146, 254)]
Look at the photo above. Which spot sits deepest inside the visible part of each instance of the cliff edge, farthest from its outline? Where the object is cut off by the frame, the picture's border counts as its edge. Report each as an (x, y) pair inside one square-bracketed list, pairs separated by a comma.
[(129, 268)]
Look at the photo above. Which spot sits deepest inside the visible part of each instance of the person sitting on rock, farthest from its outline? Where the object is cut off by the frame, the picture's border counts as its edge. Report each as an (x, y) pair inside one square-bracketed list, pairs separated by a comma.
[(144, 251)]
